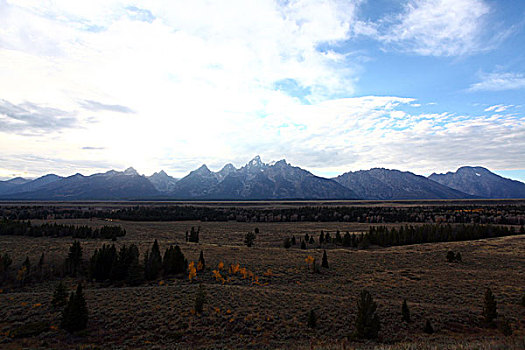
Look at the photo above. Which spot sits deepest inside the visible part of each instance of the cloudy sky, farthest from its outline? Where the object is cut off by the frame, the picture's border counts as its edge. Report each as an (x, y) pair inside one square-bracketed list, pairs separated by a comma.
[(332, 86)]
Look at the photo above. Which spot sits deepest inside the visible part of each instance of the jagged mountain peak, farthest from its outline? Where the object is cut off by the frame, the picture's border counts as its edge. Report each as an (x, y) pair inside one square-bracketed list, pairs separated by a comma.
[(130, 171), (202, 170), (256, 162)]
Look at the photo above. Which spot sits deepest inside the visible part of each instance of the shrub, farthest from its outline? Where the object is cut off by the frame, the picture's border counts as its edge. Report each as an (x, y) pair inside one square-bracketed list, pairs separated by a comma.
[(489, 308), (405, 312), (428, 327), (458, 257), (31, 329), (200, 299), (451, 256), (75, 314), (286, 243), (505, 327), (59, 296), (312, 319), (367, 324)]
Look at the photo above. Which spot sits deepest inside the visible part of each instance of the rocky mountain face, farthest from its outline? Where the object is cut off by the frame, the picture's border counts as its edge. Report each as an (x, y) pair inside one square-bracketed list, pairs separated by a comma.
[(112, 185), (381, 183), (260, 181), (481, 182)]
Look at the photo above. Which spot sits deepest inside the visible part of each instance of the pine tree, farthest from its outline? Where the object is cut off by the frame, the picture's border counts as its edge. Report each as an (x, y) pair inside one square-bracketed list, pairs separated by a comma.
[(200, 299), (286, 243), (312, 319), (294, 242), (27, 264), (367, 323), (321, 238), (41, 262), (489, 308), (74, 258), (135, 275), (152, 262), (59, 296), (458, 257), (428, 327), (324, 263), (249, 238), (451, 256), (75, 314), (303, 245), (405, 311)]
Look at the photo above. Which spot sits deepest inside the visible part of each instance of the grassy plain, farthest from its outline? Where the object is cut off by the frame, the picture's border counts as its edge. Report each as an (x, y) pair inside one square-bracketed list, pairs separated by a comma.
[(273, 313)]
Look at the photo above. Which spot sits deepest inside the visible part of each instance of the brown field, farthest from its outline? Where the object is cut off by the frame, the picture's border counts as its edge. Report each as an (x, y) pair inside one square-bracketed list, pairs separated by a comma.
[(272, 314)]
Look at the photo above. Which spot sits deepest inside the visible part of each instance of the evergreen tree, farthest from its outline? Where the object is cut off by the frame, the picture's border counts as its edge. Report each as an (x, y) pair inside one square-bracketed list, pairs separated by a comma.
[(321, 238), (312, 240), (489, 308), (152, 262), (338, 238), (59, 296), (200, 299), (327, 238), (135, 275), (27, 264), (202, 262), (312, 319), (102, 263), (303, 245), (194, 235), (306, 238), (458, 257), (249, 238), (428, 327), (294, 242), (74, 258), (286, 243), (324, 263), (451, 256), (174, 261), (405, 312), (41, 262), (367, 323), (347, 240), (75, 314)]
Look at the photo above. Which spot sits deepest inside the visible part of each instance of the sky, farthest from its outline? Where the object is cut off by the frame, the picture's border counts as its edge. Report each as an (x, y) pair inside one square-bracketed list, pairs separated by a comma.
[(331, 86)]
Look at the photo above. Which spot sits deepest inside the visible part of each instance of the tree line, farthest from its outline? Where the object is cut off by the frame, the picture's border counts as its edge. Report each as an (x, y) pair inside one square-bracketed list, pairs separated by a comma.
[(25, 228)]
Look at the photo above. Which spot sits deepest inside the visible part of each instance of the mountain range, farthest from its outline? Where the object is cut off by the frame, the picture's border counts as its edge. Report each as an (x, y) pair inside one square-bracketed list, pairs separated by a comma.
[(261, 181)]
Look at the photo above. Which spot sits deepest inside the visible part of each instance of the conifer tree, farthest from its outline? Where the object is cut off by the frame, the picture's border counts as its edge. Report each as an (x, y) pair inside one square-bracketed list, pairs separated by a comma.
[(303, 245), (451, 256), (458, 257), (135, 275), (489, 307), (312, 319), (249, 238), (286, 243), (367, 323), (75, 314), (321, 238), (294, 242), (200, 299), (324, 263), (428, 327), (152, 262), (327, 238), (27, 264), (405, 312), (41, 262), (59, 296), (74, 258), (347, 240)]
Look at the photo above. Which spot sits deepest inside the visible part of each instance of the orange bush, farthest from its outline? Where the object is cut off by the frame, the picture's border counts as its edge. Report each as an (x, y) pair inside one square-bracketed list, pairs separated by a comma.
[(193, 271)]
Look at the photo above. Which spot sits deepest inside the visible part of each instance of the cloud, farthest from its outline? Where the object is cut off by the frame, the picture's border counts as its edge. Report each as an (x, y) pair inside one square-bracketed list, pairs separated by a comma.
[(97, 106), (90, 148), (498, 108), (434, 27), (29, 118), (499, 81)]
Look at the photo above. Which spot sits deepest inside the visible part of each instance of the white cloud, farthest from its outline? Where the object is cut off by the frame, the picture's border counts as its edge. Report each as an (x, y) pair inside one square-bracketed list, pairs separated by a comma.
[(499, 81), (498, 108), (436, 27)]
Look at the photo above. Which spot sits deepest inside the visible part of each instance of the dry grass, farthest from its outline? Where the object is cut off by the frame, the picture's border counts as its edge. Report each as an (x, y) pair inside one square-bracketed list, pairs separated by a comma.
[(240, 314)]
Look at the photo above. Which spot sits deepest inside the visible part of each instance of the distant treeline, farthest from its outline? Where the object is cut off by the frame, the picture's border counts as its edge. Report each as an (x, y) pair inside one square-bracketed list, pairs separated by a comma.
[(504, 214), (25, 228), (431, 233)]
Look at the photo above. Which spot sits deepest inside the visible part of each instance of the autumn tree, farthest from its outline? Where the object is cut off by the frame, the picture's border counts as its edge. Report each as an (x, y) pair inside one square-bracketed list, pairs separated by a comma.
[(75, 314), (202, 263), (367, 323), (489, 308)]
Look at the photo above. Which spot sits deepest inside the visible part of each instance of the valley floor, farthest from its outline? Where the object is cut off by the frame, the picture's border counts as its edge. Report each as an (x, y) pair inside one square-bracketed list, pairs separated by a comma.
[(272, 313)]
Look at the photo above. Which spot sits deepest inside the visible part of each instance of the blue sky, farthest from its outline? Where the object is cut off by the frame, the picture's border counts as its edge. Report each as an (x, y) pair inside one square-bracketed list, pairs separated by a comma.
[(332, 86)]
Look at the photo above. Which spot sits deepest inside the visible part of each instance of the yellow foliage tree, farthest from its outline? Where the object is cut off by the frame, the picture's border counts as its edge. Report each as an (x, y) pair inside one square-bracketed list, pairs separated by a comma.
[(193, 271)]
